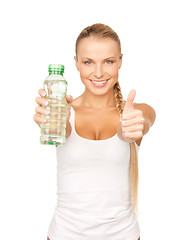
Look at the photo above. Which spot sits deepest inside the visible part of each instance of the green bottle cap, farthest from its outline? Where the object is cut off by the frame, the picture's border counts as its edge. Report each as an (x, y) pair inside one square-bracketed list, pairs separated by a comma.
[(56, 68)]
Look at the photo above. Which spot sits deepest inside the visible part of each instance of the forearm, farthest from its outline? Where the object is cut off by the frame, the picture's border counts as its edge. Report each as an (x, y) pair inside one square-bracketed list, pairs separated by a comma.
[(146, 124), (149, 115)]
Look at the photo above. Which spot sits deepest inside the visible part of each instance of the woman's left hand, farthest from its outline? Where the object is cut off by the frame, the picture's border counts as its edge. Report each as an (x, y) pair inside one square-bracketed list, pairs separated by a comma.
[(132, 120)]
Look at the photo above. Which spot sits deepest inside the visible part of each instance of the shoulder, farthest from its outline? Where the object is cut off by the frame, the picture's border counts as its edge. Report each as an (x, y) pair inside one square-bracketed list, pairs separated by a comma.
[(143, 106)]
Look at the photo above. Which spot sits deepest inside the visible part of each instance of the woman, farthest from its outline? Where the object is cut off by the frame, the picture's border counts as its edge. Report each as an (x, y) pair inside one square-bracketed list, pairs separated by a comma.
[(97, 168)]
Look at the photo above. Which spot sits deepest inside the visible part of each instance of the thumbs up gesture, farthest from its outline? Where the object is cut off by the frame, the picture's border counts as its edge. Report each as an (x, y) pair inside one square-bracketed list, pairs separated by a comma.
[(132, 120)]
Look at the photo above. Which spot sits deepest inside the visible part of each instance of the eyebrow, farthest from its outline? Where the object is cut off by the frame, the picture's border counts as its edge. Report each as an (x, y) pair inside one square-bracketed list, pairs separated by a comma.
[(92, 59)]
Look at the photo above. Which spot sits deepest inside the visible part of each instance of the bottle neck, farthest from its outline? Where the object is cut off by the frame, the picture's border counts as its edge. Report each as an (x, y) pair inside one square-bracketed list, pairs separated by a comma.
[(56, 72)]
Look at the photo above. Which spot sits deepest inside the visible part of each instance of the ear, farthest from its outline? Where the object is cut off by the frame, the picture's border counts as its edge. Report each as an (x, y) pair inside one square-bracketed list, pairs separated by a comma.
[(76, 63), (120, 62)]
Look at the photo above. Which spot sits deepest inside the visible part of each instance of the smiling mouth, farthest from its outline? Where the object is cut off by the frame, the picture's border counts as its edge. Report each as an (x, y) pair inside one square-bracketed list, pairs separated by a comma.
[(101, 81)]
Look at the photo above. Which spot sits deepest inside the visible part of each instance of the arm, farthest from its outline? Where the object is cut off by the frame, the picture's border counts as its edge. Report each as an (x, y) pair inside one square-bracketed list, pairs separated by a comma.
[(148, 114), (68, 129)]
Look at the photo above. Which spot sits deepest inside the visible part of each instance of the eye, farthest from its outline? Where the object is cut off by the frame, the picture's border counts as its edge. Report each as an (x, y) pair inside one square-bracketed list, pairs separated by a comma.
[(88, 62), (108, 61)]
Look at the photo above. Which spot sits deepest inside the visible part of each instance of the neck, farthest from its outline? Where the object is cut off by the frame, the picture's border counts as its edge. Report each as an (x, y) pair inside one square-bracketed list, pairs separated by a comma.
[(98, 101)]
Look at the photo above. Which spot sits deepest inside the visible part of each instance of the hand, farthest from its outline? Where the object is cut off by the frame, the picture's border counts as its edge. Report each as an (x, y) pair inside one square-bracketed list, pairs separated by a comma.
[(131, 120), (41, 101)]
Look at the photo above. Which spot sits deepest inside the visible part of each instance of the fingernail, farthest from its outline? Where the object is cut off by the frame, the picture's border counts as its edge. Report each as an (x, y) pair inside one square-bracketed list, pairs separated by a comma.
[(45, 103), (47, 112)]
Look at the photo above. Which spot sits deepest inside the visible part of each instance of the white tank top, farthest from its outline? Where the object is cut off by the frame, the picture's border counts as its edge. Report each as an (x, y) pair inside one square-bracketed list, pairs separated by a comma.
[(93, 190)]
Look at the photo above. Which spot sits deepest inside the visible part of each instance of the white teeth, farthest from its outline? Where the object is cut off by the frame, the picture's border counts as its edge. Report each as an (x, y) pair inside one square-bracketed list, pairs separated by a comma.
[(100, 82)]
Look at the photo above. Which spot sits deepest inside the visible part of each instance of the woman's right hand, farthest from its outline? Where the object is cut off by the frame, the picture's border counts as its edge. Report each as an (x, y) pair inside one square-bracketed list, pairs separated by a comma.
[(41, 101)]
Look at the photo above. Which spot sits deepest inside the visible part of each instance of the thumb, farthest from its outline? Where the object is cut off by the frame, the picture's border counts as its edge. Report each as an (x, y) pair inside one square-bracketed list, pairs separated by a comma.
[(130, 99), (69, 99)]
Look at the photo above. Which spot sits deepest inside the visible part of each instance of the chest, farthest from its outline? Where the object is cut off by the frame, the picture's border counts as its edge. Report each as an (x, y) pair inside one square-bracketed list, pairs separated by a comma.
[(96, 125)]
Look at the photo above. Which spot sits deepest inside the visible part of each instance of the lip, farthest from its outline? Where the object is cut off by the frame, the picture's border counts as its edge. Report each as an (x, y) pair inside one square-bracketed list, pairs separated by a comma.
[(100, 80), (99, 85)]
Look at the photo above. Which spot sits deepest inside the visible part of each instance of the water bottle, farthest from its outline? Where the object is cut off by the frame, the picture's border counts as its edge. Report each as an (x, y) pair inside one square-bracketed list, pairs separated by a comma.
[(53, 132)]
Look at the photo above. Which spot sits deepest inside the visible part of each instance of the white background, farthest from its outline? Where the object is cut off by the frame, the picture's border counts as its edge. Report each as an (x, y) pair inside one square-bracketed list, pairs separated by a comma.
[(36, 33)]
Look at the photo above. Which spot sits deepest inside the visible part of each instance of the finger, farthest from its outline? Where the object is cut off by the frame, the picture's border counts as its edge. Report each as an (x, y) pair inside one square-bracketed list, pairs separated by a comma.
[(134, 128), (130, 100), (69, 98), (42, 92), (131, 114), (41, 101), (40, 110), (38, 119), (133, 121), (134, 135)]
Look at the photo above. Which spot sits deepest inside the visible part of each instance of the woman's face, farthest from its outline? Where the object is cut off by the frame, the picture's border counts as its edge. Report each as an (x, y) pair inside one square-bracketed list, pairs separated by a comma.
[(98, 59)]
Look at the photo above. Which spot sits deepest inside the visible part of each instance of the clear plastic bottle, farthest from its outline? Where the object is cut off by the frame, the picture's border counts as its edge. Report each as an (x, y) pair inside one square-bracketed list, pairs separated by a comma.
[(53, 132)]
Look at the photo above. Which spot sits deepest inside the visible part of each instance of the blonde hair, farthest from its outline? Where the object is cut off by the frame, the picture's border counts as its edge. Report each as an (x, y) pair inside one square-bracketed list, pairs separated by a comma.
[(103, 31)]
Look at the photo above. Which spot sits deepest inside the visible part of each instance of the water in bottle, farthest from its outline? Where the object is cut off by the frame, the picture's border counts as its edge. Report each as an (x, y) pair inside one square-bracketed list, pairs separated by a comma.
[(53, 132)]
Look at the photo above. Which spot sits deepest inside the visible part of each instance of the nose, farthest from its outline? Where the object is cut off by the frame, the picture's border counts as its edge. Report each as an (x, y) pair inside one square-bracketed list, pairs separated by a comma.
[(98, 71)]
